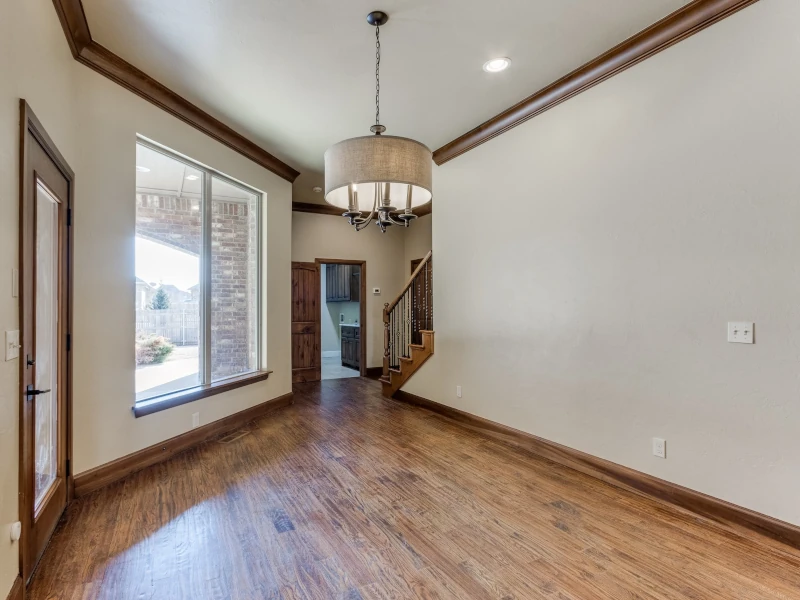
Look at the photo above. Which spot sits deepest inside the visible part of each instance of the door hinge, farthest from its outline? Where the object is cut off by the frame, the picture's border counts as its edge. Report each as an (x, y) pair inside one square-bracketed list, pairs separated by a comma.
[(69, 217), (69, 342), (67, 468)]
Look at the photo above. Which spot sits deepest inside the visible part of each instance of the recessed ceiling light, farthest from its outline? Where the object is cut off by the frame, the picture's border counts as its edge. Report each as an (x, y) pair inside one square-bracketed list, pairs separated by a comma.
[(142, 169), (192, 177), (496, 65), (316, 189)]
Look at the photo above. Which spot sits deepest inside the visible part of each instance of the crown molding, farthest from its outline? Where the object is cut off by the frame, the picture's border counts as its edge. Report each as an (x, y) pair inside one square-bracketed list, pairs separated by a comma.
[(681, 24), (95, 56), (327, 209)]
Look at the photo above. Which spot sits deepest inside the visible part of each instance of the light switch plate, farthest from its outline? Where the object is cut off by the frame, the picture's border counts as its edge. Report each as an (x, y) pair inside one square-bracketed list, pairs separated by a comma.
[(12, 344), (740, 332)]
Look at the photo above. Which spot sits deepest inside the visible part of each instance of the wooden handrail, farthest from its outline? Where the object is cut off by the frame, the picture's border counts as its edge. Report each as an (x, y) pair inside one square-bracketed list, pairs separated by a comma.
[(416, 272)]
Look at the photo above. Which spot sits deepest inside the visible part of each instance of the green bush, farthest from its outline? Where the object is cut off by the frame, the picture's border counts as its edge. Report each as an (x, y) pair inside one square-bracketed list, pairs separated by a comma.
[(152, 349)]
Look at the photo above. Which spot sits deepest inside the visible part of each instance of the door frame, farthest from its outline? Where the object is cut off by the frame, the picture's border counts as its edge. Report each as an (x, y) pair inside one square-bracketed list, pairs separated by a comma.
[(30, 123), (362, 306)]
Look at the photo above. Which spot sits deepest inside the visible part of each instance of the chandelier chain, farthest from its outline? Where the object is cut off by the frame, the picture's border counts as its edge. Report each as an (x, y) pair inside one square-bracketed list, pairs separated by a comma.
[(378, 75)]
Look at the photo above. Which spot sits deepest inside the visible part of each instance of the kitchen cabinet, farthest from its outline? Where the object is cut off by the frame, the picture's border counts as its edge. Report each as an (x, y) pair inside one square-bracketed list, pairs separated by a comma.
[(351, 346), (342, 283)]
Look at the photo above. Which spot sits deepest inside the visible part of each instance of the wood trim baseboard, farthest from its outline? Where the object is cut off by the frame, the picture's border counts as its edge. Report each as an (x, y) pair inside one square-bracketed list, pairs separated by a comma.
[(106, 474), (679, 25), (17, 591), (95, 56), (327, 209), (738, 519), (374, 373)]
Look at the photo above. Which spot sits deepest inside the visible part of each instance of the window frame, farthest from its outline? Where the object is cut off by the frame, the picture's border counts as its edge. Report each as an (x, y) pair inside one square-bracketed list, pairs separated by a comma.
[(207, 386)]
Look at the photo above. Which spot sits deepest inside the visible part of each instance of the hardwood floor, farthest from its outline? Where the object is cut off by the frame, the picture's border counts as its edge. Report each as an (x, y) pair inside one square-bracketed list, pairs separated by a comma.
[(347, 495)]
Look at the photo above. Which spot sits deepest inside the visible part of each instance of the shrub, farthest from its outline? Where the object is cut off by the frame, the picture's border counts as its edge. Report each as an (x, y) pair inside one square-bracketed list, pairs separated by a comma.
[(152, 349)]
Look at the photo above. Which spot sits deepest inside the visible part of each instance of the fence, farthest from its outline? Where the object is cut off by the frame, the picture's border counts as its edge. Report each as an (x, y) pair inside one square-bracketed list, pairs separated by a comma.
[(180, 326)]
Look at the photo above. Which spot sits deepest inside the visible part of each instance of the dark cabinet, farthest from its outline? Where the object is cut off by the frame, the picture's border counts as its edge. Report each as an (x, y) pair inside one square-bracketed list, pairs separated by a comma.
[(342, 283), (351, 347)]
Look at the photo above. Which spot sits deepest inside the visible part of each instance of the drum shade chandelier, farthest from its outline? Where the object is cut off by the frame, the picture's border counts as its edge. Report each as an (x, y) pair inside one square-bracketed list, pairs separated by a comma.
[(384, 175)]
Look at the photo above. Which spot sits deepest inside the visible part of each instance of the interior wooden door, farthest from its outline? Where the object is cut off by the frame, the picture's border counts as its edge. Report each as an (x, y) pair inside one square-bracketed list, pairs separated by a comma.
[(45, 220), (306, 322)]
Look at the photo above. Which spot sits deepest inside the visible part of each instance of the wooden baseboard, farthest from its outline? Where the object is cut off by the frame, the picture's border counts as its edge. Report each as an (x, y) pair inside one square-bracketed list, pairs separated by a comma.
[(101, 476), (374, 372), (736, 518), (17, 590)]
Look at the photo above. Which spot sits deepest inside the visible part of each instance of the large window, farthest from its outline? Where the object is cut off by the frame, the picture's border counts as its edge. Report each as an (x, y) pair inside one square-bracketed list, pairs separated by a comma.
[(198, 239)]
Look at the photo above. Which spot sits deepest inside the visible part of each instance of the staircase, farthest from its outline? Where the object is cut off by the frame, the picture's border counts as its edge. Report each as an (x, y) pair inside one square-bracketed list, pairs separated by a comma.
[(408, 329)]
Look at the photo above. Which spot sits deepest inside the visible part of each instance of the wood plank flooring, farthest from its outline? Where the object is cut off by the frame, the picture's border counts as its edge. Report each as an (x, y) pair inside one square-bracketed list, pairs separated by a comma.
[(347, 495)]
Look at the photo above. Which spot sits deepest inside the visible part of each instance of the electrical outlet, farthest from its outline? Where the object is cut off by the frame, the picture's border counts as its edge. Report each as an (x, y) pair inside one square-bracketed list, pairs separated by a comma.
[(195, 420), (740, 332), (458, 391), (659, 448), (376, 291)]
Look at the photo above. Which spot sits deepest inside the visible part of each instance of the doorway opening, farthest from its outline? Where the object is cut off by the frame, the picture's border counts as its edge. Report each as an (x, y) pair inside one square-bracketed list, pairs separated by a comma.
[(342, 316)]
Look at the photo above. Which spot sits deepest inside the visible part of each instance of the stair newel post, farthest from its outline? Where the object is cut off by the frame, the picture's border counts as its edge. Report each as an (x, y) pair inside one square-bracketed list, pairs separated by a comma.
[(386, 341)]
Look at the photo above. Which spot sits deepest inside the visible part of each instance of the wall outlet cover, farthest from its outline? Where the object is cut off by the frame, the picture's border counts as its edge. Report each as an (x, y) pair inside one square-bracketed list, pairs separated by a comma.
[(376, 291), (660, 448)]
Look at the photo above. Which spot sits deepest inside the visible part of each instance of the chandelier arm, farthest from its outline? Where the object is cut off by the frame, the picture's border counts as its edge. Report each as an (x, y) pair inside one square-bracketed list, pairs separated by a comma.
[(362, 223), (391, 220)]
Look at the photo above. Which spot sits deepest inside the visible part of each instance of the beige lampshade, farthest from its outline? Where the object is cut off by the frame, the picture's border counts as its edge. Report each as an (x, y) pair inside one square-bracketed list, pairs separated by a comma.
[(378, 159)]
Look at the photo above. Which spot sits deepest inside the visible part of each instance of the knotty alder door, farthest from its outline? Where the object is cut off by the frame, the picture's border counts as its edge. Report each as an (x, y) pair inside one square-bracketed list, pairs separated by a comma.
[(44, 358), (305, 322)]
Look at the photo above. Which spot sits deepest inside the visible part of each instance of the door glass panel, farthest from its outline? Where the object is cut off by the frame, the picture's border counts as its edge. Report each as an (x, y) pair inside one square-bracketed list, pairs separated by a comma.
[(168, 291), (234, 280), (46, 334)]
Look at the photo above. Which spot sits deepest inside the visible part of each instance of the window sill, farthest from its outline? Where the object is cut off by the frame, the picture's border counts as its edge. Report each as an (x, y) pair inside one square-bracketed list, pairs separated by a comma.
[(148, 407)]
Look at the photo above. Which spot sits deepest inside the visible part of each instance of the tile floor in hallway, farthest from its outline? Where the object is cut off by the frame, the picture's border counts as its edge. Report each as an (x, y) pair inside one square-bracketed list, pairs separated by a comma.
[(332, 368)]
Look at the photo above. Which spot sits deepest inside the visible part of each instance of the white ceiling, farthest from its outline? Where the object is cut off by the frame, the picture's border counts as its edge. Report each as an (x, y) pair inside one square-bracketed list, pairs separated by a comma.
[(296, 76)]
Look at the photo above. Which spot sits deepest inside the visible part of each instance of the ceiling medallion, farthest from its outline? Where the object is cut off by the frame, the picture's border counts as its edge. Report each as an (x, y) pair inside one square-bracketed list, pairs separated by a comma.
[(394, 173)]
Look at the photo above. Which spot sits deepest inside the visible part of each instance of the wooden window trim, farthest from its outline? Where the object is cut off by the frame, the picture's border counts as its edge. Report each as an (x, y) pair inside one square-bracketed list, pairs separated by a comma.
[(154, 405)]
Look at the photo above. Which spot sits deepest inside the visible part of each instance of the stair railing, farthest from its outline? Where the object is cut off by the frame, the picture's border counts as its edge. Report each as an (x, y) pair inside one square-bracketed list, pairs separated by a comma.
[(409, 314)]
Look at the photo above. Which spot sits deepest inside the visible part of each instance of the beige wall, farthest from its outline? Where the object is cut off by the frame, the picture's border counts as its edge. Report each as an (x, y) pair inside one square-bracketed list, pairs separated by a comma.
[(417, 242), (94, 123), (109, 119), (650, 211), (324, 236), (35, 64)]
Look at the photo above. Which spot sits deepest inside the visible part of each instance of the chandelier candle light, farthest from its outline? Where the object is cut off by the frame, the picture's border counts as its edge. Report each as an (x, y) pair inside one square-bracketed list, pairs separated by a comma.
[(384, 175)]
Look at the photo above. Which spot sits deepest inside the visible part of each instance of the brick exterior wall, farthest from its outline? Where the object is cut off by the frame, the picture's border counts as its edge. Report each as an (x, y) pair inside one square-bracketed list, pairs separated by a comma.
[(176, 222)]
